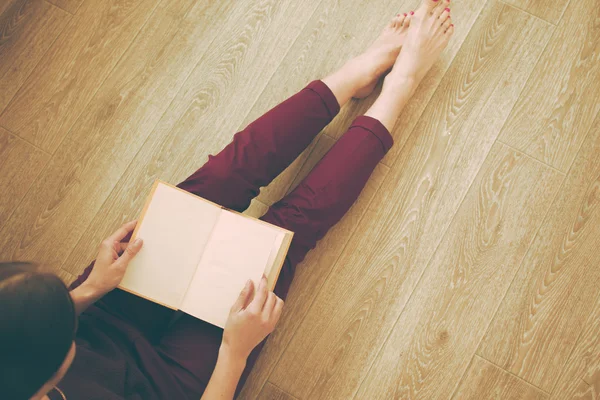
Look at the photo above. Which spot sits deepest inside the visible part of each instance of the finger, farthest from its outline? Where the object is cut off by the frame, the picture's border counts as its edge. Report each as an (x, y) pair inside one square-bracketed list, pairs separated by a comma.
[(277, 310), (269, 304), (244, 298), (260, 297), (132, 249), (123, 231)]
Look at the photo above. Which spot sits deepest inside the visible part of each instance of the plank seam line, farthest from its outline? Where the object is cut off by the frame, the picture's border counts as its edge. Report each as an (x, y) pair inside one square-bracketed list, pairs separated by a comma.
[(529, 13), (512, 374), (11, 133), (62, 9), (62, 265), (280, 389), (462, 378), (537, 160)]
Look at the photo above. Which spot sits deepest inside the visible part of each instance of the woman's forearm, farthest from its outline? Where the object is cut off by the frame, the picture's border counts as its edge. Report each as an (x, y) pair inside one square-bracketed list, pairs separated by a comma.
[(84, 296), (225, 377)]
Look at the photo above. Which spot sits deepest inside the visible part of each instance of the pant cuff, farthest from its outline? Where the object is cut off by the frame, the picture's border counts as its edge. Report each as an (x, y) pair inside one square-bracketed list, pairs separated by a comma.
[(376, 128), (326, 95)]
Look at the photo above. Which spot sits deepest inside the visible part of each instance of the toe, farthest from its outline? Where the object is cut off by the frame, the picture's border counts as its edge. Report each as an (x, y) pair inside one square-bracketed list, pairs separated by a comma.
[(446, 25), (445, 14), (450, 31), (408, 19), (397, 21), (439, 11)]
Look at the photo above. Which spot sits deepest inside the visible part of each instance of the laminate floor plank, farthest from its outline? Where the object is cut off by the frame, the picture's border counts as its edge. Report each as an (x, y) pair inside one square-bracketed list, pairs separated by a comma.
[(549, 301), (60, 87), (580, 377), (550, 11), (446, 317), (559, 103), (202, 118), (371, 282), (27, 29), (485, 381), (20, 164), (117, 121)]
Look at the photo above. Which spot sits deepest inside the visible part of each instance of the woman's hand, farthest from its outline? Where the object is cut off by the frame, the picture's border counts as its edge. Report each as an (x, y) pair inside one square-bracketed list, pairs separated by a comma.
[(112, 260), (251, 320), (109, 268)]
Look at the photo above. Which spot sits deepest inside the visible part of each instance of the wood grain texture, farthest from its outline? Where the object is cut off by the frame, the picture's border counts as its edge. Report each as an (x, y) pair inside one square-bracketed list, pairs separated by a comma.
[(441, 326), (371, 282), (60, 87), (27, 29), (485, 381), (580, 377), (118, 120), (544, 311), (310, 277), (68, 5), (218, 93), (559, 104), (550, 11), (271, 392), (20, 164)]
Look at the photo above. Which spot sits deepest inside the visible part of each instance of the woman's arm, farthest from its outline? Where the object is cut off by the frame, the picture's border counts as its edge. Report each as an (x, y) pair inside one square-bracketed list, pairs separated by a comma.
[(109, 268), (250, 321)]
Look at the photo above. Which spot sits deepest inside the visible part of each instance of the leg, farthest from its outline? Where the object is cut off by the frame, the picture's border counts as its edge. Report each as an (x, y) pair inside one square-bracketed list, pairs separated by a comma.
[(310, 211), (268, 145), (264, 149)]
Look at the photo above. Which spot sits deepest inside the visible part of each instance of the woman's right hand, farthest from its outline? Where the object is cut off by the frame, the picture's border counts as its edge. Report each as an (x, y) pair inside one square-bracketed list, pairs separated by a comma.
[(251, 319)]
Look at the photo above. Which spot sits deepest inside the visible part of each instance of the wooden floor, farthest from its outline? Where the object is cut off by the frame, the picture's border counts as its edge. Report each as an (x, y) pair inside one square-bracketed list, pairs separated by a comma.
[(468, 269)]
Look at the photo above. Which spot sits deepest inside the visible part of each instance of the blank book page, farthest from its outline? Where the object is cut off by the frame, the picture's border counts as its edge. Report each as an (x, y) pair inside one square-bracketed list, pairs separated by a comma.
[(238, 250)]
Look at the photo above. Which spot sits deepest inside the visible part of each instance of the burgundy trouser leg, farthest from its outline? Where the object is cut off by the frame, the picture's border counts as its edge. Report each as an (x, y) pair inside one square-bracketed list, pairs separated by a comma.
[(233, 178), (319, 202)]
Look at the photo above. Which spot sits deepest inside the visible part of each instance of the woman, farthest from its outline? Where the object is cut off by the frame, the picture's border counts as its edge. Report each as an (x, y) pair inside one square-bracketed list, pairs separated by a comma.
[(130, 348)]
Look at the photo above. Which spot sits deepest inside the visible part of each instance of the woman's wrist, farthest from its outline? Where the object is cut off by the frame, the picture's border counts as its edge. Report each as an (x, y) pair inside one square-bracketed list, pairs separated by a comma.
[(85, 295), (231, 358)]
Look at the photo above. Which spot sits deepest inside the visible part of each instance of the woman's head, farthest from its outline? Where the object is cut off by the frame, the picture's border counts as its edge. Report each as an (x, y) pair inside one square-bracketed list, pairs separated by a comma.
[(37, 329)]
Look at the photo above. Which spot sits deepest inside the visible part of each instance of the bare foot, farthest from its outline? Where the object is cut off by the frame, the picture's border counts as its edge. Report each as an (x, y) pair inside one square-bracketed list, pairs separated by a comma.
[(430, 32), (381, 55)]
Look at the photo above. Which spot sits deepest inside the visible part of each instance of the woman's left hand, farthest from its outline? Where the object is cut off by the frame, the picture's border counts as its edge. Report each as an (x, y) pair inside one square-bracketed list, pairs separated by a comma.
[(112, 260)]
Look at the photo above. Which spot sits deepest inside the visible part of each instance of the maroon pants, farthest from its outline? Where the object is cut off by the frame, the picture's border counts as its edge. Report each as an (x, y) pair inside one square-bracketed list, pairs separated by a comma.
[(232, 179)]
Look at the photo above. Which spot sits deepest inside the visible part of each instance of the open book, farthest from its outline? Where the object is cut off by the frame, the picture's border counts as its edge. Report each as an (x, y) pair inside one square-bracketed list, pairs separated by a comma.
[(197, 256)]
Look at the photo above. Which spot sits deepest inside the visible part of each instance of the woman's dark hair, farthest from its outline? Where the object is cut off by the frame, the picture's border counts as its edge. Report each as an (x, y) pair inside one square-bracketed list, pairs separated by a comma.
[(37, 328)]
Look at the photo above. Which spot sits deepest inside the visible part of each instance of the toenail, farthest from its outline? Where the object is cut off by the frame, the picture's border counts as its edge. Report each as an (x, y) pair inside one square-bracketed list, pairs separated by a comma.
[(447, 9), (451, 25), (412, 13), (405, 14)]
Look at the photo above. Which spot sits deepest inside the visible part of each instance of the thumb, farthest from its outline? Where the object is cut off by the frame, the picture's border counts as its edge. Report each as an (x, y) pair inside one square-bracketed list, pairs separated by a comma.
[(243, 299), (132, 249)]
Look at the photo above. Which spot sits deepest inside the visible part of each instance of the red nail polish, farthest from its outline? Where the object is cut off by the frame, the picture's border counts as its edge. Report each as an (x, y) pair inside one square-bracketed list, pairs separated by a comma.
[(405, 14), (412, 13), (451, 25), (447, 9)]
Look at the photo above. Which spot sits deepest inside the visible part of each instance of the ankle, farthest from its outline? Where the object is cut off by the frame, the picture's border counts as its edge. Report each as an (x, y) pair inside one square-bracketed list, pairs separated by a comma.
[(403, 83)]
